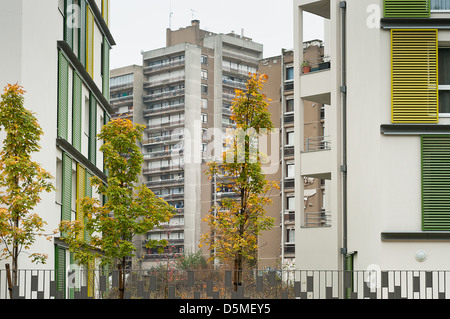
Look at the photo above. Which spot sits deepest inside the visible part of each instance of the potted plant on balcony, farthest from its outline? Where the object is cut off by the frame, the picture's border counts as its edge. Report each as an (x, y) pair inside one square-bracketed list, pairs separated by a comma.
[(306, 67)]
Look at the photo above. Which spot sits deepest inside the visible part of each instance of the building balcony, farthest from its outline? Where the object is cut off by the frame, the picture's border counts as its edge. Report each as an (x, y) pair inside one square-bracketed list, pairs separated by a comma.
[(230, 70), (121, 87), (289, 217), (148, 84), (163, 95), (317, 219), (163, 67), (240, 57), (317, 7), (165, 125), (162, 169), (121, 101), (316, 86), (163, 139), (289, 151), (164, 110), (315, 161), (234, 84)]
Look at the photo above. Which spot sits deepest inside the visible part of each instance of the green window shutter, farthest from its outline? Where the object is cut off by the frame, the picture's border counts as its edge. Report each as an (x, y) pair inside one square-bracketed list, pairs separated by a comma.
[(92, 129), (66, 198), (68, 23), (81, 189), (414, 76), (105, 66), (349, 268), (82, 33), (63, 96), (76, 112), (106, 119), (60, 269), (435, 183), (406, 8), (88, 193)]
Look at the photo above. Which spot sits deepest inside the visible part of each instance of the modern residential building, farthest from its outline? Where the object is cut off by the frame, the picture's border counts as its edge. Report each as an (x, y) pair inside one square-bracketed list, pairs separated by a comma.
[(386, 112), (280, 89), (188, 87), (65, 73)]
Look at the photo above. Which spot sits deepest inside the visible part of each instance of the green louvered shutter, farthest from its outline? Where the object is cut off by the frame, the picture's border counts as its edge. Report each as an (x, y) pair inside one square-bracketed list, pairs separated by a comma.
[(82, 33), (88, 193), (435, 183), (63, 96), (106, 119), (406, 8), (105, 66), (66, 208), (76, 112), (92, 129), (68, 22), (60, 270)]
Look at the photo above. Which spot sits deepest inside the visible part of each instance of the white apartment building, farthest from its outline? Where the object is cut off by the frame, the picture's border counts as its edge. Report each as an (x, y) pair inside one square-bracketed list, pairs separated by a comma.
[(386, 166), (64, 69)]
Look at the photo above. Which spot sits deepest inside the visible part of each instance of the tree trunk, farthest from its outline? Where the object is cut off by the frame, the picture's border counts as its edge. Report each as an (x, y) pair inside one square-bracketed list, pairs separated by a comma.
[(122, 279), (15, 255)]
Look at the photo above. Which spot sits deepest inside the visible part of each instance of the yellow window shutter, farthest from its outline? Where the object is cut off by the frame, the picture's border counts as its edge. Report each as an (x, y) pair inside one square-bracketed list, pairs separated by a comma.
[(414, 76), (81, 188), (90, 42), (105, 11)]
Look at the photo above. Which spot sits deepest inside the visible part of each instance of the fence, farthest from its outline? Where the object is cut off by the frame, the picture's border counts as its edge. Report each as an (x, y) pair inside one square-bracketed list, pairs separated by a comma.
[(211, 284)]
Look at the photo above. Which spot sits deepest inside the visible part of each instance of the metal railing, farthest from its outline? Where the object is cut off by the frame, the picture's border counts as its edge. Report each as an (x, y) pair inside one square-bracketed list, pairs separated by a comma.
[(78, 283), (317, 219), (318, 143)]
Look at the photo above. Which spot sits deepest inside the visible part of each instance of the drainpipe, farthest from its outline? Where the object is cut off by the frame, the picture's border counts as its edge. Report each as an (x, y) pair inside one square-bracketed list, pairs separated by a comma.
[(283, 196), (343, 89)]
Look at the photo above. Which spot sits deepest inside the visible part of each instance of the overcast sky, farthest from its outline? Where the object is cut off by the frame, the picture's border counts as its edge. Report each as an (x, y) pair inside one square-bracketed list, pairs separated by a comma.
[(138, 25)]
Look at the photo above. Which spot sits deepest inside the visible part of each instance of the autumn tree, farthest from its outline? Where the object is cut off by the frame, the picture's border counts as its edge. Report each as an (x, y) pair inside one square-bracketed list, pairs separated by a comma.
[(130, 209), (237, 222), (22, 180)]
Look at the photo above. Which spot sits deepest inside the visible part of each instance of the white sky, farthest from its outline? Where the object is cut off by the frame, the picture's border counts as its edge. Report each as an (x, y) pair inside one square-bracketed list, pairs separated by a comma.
[(138, 25)]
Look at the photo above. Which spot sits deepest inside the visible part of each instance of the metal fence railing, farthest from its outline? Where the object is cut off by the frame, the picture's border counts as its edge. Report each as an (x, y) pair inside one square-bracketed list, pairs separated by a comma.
[(219, 284), (318, 143)]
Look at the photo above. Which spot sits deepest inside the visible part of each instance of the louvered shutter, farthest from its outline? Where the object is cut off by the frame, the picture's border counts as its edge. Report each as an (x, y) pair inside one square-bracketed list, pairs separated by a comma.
[(106, 119), (63, 96), (68, 22), (81, 187), (406, 8), (92, 129), (90, 42), (82, 33), (106, 51), (435, 183), (88, 193), (60, 269), (76, 112), (66, 198), (414, 76)]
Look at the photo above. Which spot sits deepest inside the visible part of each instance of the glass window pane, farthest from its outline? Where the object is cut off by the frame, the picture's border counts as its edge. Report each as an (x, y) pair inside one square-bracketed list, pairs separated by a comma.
[(444, 101), (444, 66)]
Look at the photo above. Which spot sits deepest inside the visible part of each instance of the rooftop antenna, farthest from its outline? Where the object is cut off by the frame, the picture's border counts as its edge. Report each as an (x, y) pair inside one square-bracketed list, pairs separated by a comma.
[(170, 16), (192, 12)]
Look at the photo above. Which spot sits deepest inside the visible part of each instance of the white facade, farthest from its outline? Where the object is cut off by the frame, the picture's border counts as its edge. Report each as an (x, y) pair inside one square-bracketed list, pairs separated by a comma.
[(33, 32), (382, 199)]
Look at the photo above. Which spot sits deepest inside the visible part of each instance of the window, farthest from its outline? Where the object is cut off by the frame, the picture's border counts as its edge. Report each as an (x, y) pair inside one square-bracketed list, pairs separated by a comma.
[(414, 94), (290, 105), (204, 59), (435, 183), (290, 238), (204, 75), (204, 103), (204, 118), (440, 5), (444, 80), (290, 203), (204, 89), (290, 138), (289, 73), (290, 170)]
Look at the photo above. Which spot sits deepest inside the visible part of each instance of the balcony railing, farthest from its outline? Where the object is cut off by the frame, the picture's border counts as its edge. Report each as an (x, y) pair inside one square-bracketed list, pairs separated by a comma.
[(165, 182), (317, 219), (162, 169), (163, 66), (318, 143), (163, 95), (219, 284), (162, 139), (314, 65), (166, 109)]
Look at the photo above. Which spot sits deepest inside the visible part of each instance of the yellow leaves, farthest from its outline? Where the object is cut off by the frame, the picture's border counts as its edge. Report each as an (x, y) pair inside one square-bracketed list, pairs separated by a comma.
[(14, 89)]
